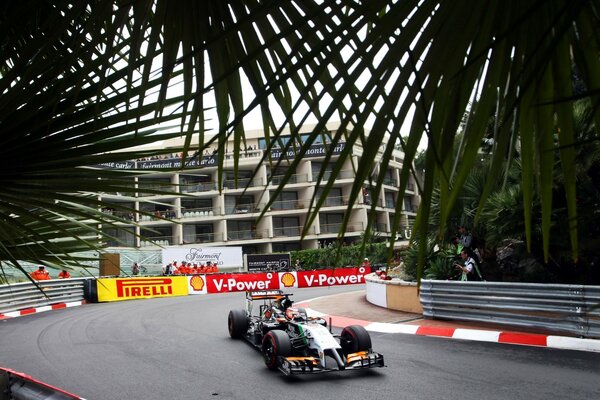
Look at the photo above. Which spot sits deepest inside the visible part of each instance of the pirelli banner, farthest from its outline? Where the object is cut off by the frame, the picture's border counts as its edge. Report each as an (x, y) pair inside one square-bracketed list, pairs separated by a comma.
[(116, 289)]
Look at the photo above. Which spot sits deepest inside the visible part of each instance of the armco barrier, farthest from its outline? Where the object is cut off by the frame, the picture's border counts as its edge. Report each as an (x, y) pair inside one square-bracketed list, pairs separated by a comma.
[(572, 309), (23, 296), (19, 296), (18, 386)]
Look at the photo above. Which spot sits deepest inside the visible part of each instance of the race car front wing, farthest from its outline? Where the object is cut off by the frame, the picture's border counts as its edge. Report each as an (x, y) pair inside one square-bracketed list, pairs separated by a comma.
[(311, 365)]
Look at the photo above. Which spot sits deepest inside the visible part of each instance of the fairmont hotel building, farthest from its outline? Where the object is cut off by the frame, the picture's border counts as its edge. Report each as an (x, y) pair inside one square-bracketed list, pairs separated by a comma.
[(202, 214)]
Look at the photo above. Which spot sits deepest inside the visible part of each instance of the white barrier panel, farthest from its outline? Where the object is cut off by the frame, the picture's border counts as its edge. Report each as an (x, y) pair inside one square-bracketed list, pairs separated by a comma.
[(224, 257), (377, 294)]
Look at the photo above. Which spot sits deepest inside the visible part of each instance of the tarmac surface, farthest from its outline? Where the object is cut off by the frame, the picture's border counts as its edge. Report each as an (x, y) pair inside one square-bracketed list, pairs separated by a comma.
[(352, 308)]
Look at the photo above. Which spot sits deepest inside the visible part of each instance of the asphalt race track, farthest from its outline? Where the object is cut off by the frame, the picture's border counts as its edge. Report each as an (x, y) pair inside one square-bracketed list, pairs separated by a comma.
[(179, 348)]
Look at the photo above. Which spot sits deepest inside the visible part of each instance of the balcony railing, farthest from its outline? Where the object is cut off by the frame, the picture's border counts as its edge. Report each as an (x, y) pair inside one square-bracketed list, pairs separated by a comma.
[(199, 212), (143, 188), (381, 228), (296, 178), (157, 215), (204, 238), (198, 187), (413, 208), (157, 241), (246, 235), (346, 174), (334, 202), (127, 215), (241, 183), (390, 182), (281, 205), (287, 231), (335, 228), (247, 208)]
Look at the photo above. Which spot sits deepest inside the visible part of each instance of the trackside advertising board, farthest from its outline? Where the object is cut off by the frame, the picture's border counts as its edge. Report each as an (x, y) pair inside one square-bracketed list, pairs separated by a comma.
[(241, 282), (117, 289), (224, 257)]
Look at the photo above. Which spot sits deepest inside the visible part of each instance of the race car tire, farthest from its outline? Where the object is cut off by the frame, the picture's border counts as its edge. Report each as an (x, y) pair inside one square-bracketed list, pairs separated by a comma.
[(237, 322), (275, 343), (355, 338)]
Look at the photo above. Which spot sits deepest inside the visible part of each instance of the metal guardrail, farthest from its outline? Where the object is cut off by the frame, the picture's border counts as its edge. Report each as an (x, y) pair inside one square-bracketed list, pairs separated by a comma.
[(18, 386), (572, 309), (20, 296)]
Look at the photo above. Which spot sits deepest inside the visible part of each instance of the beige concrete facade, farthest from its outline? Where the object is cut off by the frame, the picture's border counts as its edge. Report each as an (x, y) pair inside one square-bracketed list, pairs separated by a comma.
[(201, 214)]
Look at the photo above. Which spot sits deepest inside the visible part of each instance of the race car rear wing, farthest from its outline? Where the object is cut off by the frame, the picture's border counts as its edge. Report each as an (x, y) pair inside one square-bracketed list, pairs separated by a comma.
[(266, 294)]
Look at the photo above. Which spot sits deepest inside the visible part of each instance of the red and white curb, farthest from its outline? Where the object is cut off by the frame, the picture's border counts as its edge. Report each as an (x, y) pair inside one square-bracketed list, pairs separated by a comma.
[(35, 310), (508, 337)]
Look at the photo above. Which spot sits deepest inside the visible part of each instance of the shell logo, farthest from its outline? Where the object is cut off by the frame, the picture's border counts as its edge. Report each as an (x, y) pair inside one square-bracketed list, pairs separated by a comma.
[(197, 283), (288, 279)]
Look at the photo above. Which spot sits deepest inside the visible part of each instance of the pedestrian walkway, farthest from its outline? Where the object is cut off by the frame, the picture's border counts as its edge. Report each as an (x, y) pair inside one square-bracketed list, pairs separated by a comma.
[(352, 308)]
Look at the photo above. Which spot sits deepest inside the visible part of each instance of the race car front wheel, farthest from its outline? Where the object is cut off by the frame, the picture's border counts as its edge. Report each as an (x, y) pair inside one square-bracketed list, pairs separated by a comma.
[(355, 338), (237, 322), (275, 343)]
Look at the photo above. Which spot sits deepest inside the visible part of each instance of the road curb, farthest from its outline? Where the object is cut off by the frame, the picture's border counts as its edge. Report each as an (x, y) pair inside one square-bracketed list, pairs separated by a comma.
[(35, 310), (480, 335)]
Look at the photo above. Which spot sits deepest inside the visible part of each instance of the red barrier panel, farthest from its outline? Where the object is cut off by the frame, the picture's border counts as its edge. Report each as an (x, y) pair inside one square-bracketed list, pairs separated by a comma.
[(18, 385), (241, 282), (332, 277)]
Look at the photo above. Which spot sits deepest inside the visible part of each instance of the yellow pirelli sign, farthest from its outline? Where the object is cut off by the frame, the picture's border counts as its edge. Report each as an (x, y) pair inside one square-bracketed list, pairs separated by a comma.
[(116, 289)]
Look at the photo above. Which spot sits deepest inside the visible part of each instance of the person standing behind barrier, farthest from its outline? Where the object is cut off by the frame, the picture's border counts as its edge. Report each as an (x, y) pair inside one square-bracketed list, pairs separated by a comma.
[(467, 267), (64, 274), (366, 264), (40, 274), (135, 269)]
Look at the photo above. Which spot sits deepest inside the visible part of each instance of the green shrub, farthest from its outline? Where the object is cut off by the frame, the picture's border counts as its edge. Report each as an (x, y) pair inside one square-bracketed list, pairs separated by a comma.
[(348, 256)]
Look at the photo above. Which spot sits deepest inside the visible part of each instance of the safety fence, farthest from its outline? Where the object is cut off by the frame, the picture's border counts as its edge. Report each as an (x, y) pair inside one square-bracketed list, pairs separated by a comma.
[(572, 309), (19, 296)]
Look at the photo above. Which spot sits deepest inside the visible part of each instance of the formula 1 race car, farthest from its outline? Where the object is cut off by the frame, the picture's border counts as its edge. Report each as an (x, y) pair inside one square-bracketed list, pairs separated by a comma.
[(294, 343)]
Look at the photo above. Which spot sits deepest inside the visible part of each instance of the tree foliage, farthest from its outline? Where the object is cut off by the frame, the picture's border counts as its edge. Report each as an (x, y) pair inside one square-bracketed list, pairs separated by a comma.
[(81, 81)]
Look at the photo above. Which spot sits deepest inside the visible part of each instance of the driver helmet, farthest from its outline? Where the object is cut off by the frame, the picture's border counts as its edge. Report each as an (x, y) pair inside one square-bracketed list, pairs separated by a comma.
[(285, 303)]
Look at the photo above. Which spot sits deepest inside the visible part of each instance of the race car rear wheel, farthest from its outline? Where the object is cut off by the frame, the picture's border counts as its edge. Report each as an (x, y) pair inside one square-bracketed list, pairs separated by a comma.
[(275, 343), (237, 323), (355, 338)]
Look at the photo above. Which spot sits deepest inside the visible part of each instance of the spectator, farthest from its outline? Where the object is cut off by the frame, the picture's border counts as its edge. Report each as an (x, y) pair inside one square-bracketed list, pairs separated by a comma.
[(41, 274), (135, 269), (467, 267), (168, 269), (298, 265), (468, 243), (365, 193), (465, 238), (366, 264), (64, 274)]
